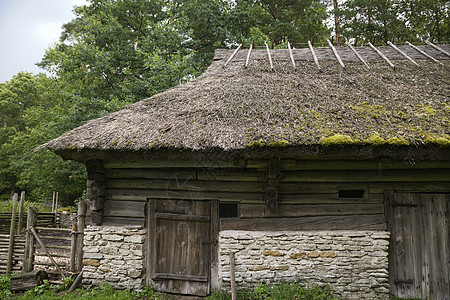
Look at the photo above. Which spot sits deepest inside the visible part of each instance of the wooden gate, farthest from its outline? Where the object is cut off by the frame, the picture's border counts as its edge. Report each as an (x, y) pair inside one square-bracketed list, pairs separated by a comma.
[(419, 253), (180, 245)]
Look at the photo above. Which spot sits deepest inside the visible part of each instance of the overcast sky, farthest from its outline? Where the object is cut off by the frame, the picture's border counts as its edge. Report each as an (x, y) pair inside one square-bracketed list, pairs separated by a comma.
[(27, 29)]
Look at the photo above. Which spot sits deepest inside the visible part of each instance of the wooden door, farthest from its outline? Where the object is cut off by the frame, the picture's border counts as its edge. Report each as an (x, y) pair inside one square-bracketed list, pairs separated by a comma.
[(180, 246), (419, 254)]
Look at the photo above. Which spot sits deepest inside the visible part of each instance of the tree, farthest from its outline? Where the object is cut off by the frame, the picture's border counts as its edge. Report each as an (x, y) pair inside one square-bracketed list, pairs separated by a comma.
[(372, 21), (33, 111), (427, 19), (295, 20)]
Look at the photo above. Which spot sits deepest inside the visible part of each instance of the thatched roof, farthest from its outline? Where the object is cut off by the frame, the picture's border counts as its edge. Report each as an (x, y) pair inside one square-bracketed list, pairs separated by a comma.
[(257, 111)]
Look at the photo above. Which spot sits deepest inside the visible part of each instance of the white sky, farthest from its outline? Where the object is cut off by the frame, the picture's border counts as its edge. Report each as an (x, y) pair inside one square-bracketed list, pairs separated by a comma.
[(27, 29)]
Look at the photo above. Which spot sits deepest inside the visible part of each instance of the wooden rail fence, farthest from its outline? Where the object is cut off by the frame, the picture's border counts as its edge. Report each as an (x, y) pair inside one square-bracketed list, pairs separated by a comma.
[(40, 245)]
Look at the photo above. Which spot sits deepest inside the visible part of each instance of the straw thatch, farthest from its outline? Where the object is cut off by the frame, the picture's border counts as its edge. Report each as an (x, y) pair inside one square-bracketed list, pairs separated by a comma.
[(298, 112)]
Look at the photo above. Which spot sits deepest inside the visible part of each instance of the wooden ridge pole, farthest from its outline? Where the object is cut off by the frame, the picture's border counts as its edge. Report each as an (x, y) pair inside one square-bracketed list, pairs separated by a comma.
[(336, 54), (292, 57), (248, 55), (20, 222), (438, 48), (403, 53), (424, 53), (382, 55), (358, 55), (232, 55), (316, 61), (270, 57), (12, 232)]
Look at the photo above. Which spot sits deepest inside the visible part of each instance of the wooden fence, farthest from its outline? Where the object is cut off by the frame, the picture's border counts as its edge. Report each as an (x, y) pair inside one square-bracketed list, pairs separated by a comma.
[(39, 245), (17, 255), (44, 220)]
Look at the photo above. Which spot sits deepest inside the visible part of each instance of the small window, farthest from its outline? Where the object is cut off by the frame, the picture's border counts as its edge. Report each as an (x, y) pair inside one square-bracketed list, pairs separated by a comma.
[(228, 210), (351, 193)]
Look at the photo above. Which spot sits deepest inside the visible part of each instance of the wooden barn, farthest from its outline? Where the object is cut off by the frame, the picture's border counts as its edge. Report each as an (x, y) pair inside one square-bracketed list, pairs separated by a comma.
[(309, 165)]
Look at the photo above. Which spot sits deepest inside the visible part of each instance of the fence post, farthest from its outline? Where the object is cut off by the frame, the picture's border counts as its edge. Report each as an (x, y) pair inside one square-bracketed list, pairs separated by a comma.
[(56, 209), (28, 259), (82, 207), (12, 232), (20, 223), (73, 246)]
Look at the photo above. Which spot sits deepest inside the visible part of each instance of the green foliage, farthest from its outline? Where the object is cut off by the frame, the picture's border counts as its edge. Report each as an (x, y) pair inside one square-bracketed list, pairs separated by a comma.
[(105, 292), (43, 115), (278, 292), (5, 293), (395, 20), (7, 205)]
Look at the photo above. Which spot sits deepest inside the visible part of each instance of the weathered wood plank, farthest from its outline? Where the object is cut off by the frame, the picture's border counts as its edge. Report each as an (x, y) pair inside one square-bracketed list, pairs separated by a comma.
[(28, 280), (143, 195), (120, 221), (180, 217), (373, 187), (379, 165), (231, 175), (358, 222), (419, 250), (124, 209), (259, 210), (171, 163), (439, 175), (168, 174), (318, 198), (185, 185)]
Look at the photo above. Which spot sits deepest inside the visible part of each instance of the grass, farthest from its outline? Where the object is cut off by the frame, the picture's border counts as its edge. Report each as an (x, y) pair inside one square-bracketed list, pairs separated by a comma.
[(284, 291), (262, 292)]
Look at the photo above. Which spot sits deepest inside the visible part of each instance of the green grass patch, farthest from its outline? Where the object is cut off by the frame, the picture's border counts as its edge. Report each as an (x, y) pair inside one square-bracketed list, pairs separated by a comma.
[(292, 291), (46, 291)]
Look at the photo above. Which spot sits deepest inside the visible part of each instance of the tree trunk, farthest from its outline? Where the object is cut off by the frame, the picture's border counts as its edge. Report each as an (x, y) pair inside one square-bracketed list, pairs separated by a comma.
[(337, 28)]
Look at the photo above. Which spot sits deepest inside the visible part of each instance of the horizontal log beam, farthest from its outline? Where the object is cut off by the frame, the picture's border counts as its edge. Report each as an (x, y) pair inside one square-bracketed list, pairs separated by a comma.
[(359, 222)]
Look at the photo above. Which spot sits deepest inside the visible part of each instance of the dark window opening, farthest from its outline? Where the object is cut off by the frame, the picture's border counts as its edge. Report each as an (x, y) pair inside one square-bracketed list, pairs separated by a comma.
[(351, 193), (228, 210)]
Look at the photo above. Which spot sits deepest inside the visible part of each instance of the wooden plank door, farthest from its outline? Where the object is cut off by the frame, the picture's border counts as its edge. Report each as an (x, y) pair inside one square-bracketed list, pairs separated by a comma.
[(419, 257), (180, 246)]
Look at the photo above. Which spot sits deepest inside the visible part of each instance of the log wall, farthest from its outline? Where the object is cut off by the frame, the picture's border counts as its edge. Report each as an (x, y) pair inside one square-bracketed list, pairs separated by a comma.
[(307, 192)]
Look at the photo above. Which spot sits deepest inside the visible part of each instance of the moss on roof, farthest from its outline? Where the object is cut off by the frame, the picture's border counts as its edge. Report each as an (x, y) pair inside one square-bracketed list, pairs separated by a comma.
[(235, 109)]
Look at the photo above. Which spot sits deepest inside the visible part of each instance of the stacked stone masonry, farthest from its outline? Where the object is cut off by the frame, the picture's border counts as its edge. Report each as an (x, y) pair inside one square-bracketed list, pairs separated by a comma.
[(114, 255), (353, 263)]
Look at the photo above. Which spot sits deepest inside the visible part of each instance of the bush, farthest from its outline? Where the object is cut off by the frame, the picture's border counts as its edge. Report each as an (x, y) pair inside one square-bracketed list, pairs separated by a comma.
[(5, 293), (7, 206)]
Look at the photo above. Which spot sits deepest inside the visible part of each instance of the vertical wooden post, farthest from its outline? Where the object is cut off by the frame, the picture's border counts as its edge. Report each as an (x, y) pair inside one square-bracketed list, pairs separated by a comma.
[(73, 246), (20, 223), (56, 208), (28, 259), (53, 202), (82, 207), (232, 277), (12, 232)]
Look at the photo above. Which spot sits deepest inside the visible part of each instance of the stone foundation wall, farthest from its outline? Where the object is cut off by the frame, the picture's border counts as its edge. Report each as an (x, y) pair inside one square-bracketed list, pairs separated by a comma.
[(353, 263), (114, 255)]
